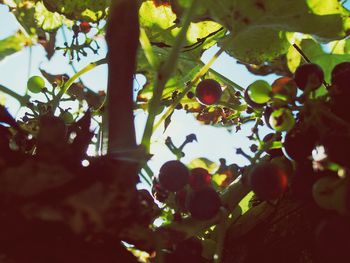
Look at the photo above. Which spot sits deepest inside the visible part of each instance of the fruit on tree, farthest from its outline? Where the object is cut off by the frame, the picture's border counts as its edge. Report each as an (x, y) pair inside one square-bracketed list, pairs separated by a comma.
[(273, 152), (173, 175), (208, 91), (299, 142), (323, 191), (204, 203), (251, 103), (259, 91), (67, 117), (85, 27), (340, 78), (199, 177), (281, 120), (35, 84), (284, 88), (268, 181), (309, 76)]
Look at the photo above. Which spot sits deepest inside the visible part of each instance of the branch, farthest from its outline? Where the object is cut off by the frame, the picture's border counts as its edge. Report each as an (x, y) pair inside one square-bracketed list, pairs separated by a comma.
[(122, 37)]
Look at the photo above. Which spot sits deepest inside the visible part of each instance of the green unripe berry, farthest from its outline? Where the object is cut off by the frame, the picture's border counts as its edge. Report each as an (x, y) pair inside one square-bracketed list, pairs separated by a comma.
[(35, 84)]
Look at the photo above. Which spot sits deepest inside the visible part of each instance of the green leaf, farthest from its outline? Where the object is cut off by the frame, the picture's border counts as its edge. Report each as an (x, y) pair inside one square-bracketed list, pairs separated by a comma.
[(45, 19), (12, 44), (326, 61), (203, 163), (244, 204), (85, 10), (258, 28)]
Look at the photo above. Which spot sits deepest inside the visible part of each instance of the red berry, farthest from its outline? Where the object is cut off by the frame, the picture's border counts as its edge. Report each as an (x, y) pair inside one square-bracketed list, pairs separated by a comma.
[(284, 88), (85, 27), (309, 75), (199, 177), (173, 176), (208, 91), (268, 181), (204, 203)]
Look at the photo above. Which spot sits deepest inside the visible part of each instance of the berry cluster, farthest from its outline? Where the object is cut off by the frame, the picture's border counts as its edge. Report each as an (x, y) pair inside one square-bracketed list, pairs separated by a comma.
[(192, 188), (77, 47)]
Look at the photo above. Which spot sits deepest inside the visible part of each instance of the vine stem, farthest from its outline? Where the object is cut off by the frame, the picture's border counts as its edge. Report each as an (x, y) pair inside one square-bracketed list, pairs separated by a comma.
[(195, 79), (164, 72), (23, 100), (77, 75)]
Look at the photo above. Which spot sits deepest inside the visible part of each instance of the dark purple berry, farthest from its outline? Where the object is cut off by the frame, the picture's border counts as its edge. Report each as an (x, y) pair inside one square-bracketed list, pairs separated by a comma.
[(204, 203), (273, 152), (309, 76), (299, 143), (199, 177), (341, 78), (173, 176), (268, 181)]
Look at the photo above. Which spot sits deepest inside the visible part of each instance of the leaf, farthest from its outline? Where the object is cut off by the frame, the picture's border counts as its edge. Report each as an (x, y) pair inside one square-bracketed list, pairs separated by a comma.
[(85, 10), (326, 61), (45, 19), (258, 28), (12, 44), (203, 163)]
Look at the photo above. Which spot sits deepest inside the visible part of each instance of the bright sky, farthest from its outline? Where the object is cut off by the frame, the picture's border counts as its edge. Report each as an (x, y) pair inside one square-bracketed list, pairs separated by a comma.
[(213, 143)]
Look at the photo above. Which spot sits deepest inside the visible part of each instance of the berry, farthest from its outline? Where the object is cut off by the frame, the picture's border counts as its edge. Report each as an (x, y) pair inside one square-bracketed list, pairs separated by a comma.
[(281, 120), (341, 77), (76, 29), (204, 203), (251, 103), (35, 84), (309, 76), (208, 92), (267, 114), (67, 117), (268, 181), (199, 177), (284, 88), (85, 27), (322, 192), (273, 152), (299, 143), (173, 176), (259, 91)]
